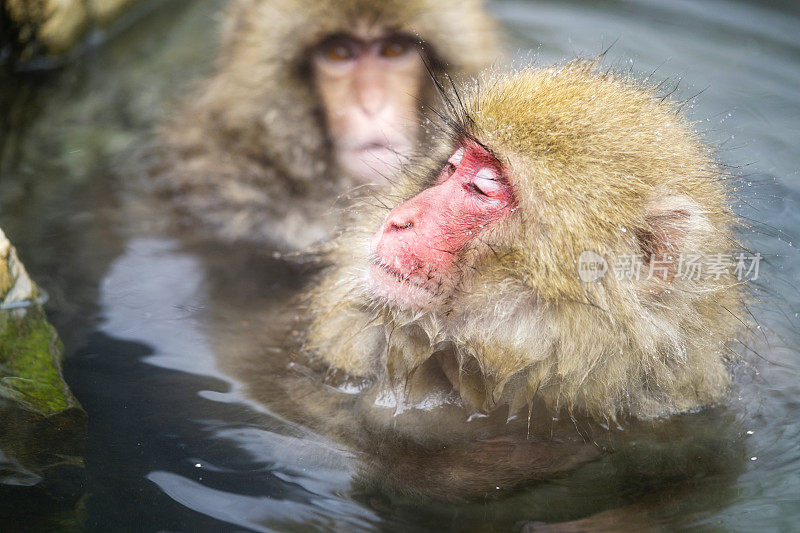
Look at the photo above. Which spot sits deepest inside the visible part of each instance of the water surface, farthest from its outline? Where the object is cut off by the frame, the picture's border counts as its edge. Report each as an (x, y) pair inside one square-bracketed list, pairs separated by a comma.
[(174, 443)]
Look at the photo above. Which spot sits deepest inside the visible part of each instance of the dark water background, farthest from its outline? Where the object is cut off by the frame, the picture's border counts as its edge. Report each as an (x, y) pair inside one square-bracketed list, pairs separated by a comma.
[(173, 443)]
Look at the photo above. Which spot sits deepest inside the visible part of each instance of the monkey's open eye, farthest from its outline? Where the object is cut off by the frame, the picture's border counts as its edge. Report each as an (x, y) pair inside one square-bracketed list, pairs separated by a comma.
[(338, 50), (395, 47)]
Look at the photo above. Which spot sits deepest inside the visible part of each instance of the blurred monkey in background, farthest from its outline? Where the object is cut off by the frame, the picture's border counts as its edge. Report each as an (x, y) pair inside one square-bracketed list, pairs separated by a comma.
[(310, 100)]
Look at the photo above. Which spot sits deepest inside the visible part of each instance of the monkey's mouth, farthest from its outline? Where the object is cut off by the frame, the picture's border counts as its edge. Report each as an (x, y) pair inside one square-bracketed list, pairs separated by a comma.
[(379, 153), (403, 278), (369, 162), (373, 146), (408, 290), (387, 147)]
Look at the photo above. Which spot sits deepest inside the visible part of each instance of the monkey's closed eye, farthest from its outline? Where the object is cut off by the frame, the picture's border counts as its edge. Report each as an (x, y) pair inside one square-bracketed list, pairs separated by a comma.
[(486, 182), (474, 188)]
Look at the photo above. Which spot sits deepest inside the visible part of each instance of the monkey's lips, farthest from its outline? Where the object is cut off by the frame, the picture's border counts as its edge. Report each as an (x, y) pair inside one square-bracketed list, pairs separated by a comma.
[(378, 154), (371, 162), (405, 290), (374, 146)]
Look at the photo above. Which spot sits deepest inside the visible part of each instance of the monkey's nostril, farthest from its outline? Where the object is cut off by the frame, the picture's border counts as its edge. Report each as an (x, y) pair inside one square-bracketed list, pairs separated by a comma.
[(407, 225)]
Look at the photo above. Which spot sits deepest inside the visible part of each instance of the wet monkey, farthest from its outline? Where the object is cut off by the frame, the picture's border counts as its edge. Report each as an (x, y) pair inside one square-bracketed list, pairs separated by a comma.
[(473, 274), (451, 337), (311, 100)]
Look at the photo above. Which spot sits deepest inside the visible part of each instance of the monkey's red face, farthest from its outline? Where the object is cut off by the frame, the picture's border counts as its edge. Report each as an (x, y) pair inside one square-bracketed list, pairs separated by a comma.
[(418, 250)]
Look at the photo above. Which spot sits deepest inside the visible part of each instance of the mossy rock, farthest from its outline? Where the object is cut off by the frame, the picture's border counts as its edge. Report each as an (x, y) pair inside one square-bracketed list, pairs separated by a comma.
[(42, 425), (30, 363)]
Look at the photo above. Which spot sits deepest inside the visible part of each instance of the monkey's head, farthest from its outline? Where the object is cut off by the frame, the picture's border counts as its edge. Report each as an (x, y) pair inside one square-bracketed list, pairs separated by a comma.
[(482, 254), (542, 166), (342, 82)]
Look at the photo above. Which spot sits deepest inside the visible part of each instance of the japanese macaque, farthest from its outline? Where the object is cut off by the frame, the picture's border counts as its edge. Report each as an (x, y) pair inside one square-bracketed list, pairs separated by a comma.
[(467, 285), (454, 341), (309, 100)]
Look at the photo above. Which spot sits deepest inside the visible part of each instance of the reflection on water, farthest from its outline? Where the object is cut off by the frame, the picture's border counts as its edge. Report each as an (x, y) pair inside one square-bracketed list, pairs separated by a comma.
[(156, 293), (174, 440), (135, 305)]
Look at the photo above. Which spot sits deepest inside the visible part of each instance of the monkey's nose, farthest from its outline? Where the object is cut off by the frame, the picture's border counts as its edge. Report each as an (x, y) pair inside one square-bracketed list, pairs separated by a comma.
[(398, 226), (371, 100), (369, 87), (399, 220)]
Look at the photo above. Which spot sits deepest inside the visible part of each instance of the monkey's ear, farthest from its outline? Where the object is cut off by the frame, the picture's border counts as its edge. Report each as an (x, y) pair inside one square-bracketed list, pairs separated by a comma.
[(669, 222)]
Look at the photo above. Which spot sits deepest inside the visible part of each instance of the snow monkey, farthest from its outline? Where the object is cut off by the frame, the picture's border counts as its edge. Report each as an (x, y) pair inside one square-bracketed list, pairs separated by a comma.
[(311, 99), (468, 282)]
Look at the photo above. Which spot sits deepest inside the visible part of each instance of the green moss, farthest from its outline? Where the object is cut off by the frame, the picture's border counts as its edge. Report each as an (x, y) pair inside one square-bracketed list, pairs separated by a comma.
[(30, 362)]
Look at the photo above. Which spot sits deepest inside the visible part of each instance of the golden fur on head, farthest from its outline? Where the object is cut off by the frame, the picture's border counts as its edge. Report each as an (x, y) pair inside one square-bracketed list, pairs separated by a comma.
[(599, 163), (248, 154)]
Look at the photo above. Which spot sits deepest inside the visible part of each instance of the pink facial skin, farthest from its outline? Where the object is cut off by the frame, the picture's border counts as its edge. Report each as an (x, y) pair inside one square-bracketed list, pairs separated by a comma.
[(417, 249)]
